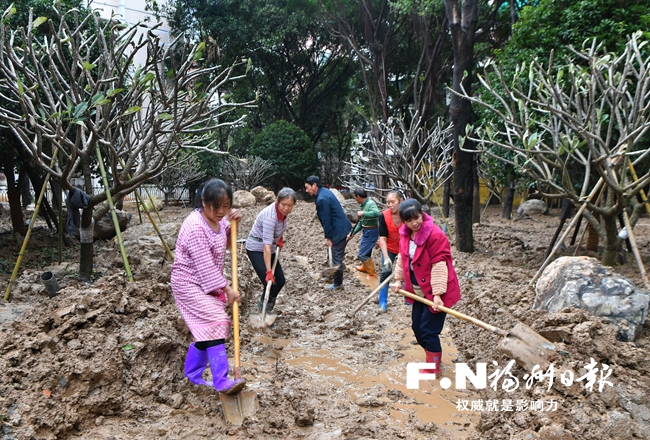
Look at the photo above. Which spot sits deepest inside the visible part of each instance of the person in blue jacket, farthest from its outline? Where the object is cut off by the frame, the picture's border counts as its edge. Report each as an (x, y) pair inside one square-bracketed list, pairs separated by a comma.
[(335, 224)]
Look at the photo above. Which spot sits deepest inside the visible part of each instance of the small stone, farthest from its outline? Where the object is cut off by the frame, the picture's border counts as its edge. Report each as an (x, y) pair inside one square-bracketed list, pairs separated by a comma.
[(177, 400)]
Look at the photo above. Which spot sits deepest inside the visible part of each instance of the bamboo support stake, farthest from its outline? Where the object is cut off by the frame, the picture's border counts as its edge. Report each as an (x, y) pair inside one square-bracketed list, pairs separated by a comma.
[(643, 195), (153, 223), (116, 223), (153, 204), (582, 236), (558, 244), (137, 205), (60, 224), (29, 229), (155, 227), (635, 250)]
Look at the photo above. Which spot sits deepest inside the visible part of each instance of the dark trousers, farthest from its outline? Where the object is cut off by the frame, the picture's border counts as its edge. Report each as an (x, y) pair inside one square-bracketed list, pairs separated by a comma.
[(257, 260), (386, 273), (427, 327), (338, 253)]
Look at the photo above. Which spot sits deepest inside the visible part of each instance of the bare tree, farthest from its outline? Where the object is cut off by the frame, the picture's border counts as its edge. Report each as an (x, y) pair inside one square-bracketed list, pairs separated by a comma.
[(246, 173), (179, 172), (80, 95), (575, 127), (333, 169), (413, 158)]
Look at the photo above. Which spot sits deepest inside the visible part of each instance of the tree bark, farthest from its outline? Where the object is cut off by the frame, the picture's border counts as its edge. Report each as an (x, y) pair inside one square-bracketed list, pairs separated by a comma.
[(476, 204), (23, 187), (462, 25), (508, 202), (612, 243), (446, 195), (13, 195), (86, 249)]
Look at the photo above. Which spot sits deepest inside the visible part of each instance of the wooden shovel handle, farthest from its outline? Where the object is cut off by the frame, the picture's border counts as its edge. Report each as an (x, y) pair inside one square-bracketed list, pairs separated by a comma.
[(459, 315), (235, 287), (267, 291)]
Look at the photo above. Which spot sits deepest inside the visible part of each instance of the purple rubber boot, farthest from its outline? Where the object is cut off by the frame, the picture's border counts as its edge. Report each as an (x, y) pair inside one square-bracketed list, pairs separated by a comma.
[(195, 362), (219, 367)]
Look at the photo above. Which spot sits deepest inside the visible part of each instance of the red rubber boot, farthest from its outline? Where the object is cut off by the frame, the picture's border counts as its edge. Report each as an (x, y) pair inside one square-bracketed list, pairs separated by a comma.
[(433, 358)]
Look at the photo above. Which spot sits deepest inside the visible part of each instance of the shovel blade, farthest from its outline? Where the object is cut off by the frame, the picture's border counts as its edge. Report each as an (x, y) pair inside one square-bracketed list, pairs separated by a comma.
[(543, 346), (525, 355), (270, 319), (330, 271), (260, 322), (236, 407)]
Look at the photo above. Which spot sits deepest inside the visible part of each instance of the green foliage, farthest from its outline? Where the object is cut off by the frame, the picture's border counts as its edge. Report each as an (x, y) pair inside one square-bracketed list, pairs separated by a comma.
[(289, 150), (556, 24), (298, 71)]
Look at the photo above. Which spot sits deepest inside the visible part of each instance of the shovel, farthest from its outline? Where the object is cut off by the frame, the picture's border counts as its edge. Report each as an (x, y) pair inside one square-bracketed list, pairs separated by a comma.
[(369, 297), (243, 404), (264, 320), (527, 347), (330, 271)]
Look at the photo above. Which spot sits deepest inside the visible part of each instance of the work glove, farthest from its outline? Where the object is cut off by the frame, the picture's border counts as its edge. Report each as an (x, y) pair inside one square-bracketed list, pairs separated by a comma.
[(280, 242), (388, 265), (270, 277)]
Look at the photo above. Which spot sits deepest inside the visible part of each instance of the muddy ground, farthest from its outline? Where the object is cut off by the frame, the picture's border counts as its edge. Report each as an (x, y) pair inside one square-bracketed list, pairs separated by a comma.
[(104, 360)]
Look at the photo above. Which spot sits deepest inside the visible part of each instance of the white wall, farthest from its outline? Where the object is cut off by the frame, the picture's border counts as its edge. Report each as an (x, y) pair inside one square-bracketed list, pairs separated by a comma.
[(131, 11)]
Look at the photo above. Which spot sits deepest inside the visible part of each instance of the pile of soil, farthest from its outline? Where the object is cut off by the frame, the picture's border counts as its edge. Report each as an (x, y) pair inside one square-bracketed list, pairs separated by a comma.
[(104, 360)]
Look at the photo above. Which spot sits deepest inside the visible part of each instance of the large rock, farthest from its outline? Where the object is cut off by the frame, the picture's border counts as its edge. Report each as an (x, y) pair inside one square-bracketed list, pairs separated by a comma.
[(583, 283), (338, 195), (243, 199), (143, 242), (532, 207), (351, 207), (104, 228), (157, 203), (263, 196)]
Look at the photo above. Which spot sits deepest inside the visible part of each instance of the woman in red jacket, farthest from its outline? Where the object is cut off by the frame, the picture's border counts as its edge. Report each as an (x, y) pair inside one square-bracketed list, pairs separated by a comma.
[(425, 266)]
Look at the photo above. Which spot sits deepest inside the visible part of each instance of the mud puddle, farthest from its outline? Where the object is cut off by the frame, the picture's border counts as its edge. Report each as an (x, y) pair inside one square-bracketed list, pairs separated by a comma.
[(370, 386)]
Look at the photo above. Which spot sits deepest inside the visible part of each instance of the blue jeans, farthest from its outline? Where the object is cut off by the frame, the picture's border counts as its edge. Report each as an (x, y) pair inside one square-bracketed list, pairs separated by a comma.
[(368, 241)]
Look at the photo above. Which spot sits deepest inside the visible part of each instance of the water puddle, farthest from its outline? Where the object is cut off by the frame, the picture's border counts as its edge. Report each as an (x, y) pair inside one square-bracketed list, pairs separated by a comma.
[(383, 386)]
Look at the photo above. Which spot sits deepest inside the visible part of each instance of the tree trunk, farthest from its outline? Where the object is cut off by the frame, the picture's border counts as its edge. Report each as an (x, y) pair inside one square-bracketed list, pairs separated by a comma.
[(23, 187), (86, 249), (476, 204), (612, 243), (508, 202), (13, 195), (446, 193), (592, 238), (462, 26)]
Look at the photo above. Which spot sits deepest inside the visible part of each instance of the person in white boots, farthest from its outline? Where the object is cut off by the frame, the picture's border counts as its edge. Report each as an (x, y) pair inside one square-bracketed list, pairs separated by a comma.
[(199, 287), (425, 266)]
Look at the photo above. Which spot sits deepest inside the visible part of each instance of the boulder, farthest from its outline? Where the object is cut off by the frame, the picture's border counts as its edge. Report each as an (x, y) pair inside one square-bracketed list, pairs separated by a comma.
[(263, 196), (243, 199), (159, 204), (351, 207), (104, 228), (582, 282), (143, 241), (532, 207), (347, 195), (338, 195)]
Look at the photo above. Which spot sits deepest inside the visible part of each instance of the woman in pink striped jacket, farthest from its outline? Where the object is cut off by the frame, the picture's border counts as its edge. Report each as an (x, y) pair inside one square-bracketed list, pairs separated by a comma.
[(200, 289), (425, 266)]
